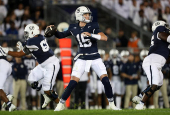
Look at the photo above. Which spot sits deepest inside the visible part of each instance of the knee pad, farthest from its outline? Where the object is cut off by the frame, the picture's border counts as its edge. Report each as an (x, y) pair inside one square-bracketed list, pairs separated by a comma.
[(53, 95), (150, 90)]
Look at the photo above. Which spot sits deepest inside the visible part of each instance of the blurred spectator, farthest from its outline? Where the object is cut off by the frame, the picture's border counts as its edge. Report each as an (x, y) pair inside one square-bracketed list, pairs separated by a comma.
[(122, 9), (134, 42), (2, 32), (20, 11), (166, 14), (21, 33), (19, 74), (26, 18), (163, 89), (3, 11), (140, 19), (37, 16), (164, 4), (153, 13), (133, 8), (160, 15), (108, 4), (123, 41), (130, 71), (6, 23), (12, 30), (14, 19)]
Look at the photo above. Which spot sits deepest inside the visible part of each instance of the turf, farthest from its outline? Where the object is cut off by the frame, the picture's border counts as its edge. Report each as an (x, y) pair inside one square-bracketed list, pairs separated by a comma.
[(91, 112)]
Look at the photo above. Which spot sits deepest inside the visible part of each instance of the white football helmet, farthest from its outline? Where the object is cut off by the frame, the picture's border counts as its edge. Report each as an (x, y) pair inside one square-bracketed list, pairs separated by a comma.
[(159, 23), (143, 53), (30, 31), (124, 55), (114, 53), (79, 14)]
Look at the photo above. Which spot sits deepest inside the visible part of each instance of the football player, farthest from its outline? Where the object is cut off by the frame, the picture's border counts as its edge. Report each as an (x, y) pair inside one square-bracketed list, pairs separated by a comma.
[(86, 33), (5, 71), (48, 67), (153, 63), (116, 79)]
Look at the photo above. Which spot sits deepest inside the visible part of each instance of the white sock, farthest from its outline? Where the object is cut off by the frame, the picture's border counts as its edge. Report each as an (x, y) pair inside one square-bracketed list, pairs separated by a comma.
[(118, 101)]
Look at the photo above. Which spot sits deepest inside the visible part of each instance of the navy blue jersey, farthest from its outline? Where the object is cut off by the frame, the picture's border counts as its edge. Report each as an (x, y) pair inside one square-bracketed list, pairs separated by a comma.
[(39, 48), (29, 62), (115, 67), (159, 46), (87, 45)]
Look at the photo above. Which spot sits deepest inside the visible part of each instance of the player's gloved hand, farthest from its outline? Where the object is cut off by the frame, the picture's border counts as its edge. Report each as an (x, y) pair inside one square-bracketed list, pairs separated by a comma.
[(4, 51), (50, 31), (39, 88), (19, 46)]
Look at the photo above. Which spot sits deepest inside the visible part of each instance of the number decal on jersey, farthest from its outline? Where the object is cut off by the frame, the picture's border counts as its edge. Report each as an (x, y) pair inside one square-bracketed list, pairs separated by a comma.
[(152, 42), (115, 70), (44, 45), (30, 63), (83, 42)]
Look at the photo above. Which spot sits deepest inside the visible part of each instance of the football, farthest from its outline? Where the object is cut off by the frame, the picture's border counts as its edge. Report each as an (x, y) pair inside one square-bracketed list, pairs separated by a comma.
[(50, 31)]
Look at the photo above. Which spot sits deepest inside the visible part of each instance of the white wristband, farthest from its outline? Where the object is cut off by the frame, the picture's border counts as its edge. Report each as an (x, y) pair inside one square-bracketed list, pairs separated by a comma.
[(96, 36), (168, 39)]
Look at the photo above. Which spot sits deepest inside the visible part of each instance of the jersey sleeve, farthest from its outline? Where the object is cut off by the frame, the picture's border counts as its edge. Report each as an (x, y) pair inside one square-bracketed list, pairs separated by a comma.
[(30, 46), (64, 34), (96, 29)]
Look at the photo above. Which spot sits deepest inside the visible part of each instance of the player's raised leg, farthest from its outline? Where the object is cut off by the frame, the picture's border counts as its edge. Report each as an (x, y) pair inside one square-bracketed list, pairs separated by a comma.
[(77, 72), (100, 69)]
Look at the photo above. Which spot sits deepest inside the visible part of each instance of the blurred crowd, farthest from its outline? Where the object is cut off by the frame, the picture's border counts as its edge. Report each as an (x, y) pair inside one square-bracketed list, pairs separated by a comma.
[(124, 71), (15, 15), (141, 12)]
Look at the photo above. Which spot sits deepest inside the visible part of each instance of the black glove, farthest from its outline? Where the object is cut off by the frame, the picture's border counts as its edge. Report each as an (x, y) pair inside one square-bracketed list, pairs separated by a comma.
[(39, 88), (50, 31), (34, 85)]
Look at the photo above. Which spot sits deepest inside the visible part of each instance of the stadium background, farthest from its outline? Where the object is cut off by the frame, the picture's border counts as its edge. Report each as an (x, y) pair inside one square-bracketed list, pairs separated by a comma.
[(118, 19)]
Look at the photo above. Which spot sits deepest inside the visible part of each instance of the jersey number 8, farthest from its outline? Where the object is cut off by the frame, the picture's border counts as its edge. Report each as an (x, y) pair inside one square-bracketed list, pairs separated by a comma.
[(44, 45)]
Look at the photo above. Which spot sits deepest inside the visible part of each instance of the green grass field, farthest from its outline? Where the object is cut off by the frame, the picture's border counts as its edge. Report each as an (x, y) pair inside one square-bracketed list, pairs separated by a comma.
[(91, 112)]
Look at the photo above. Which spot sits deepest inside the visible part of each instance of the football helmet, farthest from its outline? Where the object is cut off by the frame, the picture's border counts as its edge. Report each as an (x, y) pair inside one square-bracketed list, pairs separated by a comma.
[(30, 31), (114, 53), (159, 23), (143, 53), (80, 11), (124, 55)]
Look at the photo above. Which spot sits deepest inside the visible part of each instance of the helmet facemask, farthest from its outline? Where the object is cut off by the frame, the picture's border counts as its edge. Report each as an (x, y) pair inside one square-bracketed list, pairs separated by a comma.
[(26, 35)]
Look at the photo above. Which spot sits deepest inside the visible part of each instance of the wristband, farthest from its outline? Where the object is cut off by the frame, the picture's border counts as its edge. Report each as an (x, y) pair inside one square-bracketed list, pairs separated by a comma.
[(96, 36)]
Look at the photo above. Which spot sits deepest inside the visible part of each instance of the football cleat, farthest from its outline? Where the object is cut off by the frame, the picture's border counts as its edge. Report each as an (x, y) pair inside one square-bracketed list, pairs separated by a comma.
[(140, 106), (12, 108), (10, 97), (46, 101), (59, 107), (136, 100), (113, 107)]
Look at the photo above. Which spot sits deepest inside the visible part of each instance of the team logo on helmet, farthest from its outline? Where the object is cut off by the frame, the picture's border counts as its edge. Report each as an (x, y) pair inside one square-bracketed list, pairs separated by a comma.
[(78, 10), (31, 27)]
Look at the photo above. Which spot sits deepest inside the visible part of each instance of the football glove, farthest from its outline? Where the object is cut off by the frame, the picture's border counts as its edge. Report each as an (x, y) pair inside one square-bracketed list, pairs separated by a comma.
[(19, 46), (50, 31)]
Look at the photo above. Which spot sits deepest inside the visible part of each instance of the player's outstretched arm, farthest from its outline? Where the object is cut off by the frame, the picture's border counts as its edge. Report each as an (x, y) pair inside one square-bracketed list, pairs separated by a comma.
[(99, 36), (164, 36), (16, 54), (51, 30)]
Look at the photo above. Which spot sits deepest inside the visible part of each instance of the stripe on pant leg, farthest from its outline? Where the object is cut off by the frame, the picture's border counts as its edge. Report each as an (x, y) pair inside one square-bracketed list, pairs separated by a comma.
[(52, 77), (151, 74)]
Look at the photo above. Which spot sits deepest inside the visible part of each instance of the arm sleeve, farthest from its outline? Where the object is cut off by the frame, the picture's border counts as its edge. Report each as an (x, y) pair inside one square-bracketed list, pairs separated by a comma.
[(96, 29), (30, 46), (63, 34)]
